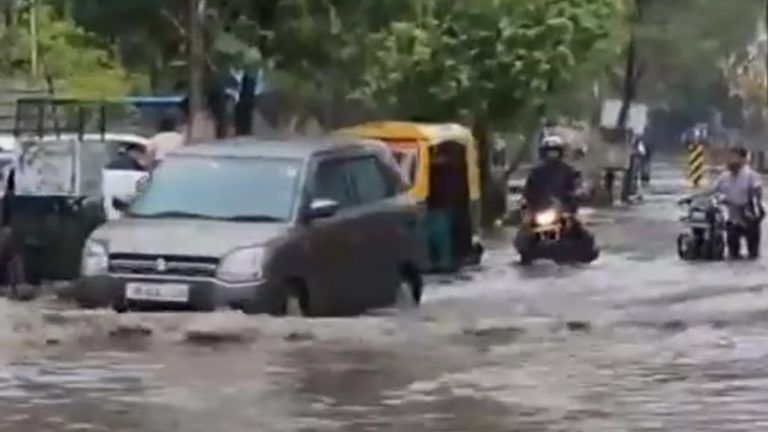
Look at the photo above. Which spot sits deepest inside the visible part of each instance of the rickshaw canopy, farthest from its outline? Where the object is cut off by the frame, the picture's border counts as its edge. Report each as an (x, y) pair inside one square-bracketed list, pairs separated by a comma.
[(411, 143)]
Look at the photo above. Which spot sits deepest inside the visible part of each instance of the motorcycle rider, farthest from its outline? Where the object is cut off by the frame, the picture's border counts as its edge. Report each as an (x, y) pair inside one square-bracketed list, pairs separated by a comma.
[(552, 178)]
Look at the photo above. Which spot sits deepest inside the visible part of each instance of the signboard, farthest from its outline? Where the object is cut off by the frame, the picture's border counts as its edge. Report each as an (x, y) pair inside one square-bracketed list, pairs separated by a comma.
[(47, 169), (637, 118)]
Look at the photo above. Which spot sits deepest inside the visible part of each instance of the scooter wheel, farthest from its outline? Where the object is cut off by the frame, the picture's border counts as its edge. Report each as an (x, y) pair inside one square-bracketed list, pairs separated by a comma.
[(684, 250)]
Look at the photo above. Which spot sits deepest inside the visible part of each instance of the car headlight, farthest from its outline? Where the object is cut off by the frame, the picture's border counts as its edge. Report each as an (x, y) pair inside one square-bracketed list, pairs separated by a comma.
[(547, 217), (241, 265), (95, 260)]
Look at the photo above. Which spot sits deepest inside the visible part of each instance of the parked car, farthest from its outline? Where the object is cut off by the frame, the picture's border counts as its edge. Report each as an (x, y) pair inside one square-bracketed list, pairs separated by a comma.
[(317, 228)]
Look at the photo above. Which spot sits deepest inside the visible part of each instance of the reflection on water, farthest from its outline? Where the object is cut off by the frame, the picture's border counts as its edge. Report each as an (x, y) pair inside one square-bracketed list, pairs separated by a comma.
[(699, 379)]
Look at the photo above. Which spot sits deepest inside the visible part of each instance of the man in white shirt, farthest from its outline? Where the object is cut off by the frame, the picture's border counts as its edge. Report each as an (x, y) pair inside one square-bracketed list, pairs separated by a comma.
[(743, 190), (167, 138)]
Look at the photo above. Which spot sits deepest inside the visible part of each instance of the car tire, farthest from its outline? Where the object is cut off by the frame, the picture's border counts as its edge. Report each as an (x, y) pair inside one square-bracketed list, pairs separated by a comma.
[(410, 289), (296, 301)]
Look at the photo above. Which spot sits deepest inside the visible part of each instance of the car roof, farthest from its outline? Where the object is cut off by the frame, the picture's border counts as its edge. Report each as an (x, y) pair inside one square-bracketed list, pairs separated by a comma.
[(125, 137), (291, 148), (8, 143)]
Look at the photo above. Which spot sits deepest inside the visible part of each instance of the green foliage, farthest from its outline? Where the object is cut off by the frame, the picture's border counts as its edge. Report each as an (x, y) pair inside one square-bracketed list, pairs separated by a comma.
[(488, 57), (72, 60), (682, 45)]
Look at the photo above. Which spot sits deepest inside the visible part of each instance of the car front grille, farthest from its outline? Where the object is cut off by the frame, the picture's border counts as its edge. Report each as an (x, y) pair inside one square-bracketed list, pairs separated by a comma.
[(163, 265)]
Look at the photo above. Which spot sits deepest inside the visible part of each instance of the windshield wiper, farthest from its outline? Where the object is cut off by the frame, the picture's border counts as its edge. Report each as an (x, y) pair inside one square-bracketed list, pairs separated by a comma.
[(170, 214), (251, 218)]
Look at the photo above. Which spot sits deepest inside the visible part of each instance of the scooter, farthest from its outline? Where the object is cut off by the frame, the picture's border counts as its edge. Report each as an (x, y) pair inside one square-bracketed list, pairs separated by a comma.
[(705, 219), (554, 234)]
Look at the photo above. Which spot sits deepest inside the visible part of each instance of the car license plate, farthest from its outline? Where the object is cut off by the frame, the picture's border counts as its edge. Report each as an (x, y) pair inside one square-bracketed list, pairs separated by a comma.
[(175, 293)]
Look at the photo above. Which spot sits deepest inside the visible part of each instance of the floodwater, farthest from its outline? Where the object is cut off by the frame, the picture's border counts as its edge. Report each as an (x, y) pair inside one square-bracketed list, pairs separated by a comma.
[(639, 341)]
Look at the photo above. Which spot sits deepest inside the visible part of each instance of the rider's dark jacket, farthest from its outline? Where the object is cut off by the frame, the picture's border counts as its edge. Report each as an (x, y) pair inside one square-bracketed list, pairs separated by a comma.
[(550, 180)]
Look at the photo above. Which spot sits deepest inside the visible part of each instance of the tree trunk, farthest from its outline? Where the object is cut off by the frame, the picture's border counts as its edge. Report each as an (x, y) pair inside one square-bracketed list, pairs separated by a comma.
[(766, 51), (196, 66), (629, 87), (630, 71), (493, 202)]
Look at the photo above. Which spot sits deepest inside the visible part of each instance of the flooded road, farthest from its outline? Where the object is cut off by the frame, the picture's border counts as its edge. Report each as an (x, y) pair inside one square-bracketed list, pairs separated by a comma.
[(639, 341)]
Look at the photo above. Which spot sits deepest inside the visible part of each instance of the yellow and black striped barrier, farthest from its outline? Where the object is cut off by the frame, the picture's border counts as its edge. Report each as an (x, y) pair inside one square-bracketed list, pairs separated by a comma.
[(697, 165)]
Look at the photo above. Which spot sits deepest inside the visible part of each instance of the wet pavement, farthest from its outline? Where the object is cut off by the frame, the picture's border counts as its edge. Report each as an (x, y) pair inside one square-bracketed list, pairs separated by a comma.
[(638, 341)]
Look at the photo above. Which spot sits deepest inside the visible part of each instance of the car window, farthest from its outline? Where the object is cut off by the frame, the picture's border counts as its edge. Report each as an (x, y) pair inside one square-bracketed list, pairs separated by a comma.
[(354, 181), (332, 182), (368, 180)]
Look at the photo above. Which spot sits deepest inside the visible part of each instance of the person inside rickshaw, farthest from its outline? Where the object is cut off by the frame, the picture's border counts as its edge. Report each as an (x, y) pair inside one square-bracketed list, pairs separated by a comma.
[(448, 222)]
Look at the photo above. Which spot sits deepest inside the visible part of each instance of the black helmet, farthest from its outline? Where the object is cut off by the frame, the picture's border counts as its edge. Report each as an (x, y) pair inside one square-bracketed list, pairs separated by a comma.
[(551, 143)]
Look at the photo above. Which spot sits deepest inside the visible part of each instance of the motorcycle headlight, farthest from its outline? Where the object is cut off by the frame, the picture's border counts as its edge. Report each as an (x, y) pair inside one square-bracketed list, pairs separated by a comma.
[(95, 259), (547, 217), (241, 265)]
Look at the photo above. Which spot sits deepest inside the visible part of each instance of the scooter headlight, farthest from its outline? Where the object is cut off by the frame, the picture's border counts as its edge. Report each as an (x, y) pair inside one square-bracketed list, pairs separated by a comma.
[(547, 217)]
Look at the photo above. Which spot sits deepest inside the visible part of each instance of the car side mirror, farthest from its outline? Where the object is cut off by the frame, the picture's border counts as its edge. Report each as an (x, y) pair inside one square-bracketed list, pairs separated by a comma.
[(120, 204), (322, 208)]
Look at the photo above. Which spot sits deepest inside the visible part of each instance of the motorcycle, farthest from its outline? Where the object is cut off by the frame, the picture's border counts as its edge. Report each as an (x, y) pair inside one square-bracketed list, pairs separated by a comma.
[(554, 234), (705, 219)]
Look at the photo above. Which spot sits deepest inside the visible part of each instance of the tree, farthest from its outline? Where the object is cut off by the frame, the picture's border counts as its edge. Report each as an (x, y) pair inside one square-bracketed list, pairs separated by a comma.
[(483, 62), (72, 61), (489, 59), (678, 57)]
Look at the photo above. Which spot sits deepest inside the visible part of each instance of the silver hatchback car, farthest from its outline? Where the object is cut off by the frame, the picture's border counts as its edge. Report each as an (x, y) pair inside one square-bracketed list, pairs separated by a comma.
[(321, 228)]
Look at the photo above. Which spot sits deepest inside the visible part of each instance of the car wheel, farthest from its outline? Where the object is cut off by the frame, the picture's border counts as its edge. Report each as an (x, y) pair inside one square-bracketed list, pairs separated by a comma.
[(409, 290), (296, 303), (293, 307)]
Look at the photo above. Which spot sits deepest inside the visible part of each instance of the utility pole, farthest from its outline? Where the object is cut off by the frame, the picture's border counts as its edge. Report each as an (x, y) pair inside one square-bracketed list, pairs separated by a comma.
[(196, 44), (766, 50), (33, 44)]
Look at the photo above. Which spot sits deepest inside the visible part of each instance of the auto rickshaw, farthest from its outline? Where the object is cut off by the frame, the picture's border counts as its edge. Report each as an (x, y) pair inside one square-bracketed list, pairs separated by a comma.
[(53, 189), (440, 163)]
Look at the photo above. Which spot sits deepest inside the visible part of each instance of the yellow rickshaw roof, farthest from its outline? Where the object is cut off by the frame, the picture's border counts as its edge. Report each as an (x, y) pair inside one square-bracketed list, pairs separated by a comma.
[(431, 133)]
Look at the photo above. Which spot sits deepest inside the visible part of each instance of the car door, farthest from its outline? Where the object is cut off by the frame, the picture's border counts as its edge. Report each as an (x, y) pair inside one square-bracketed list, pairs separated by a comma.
[(118, 183), (380, 224), (334, 244)]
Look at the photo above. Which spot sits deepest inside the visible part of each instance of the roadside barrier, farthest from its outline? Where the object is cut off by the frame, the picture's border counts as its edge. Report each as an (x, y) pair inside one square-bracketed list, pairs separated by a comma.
[(697, 165)]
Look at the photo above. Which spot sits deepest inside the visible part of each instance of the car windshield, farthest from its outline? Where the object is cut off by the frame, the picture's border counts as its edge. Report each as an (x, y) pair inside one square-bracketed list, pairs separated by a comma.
[(237, 189)]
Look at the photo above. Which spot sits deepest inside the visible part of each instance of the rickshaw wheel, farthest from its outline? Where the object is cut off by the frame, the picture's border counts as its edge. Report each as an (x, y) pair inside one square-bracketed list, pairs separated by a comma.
[(409, 291)]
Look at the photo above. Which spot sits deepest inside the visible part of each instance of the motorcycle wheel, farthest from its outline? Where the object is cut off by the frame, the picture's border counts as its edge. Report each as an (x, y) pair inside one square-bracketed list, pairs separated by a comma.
[(684, 249), (578, 251)]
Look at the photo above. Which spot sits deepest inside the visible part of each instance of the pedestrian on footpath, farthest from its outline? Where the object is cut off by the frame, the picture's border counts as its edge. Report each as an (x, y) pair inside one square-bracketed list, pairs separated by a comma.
[(742, 190)]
